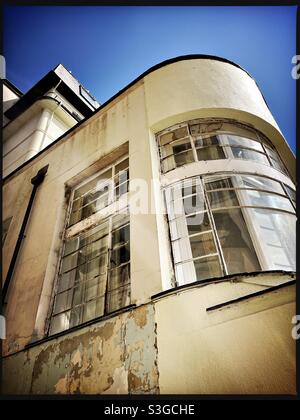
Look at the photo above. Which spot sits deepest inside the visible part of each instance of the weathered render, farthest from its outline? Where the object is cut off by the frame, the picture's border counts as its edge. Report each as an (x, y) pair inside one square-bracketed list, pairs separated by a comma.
[(231, 335)]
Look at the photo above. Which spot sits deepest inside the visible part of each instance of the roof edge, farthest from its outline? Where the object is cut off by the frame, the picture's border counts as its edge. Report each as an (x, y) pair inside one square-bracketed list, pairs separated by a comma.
[(120, 92)]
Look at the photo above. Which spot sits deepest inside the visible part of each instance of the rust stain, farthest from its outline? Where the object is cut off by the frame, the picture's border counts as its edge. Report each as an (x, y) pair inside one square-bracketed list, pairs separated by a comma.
[(104, 121), (134, 382), (139, 316), (107, 331)]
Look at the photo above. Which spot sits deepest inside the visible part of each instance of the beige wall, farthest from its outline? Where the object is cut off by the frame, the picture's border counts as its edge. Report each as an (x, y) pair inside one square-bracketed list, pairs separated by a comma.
[(173, 346), (115, 356), (243, 348)]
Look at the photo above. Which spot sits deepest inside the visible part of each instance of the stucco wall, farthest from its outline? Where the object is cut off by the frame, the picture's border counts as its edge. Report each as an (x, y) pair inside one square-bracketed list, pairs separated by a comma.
[(173, 346), (117, 356), (244, 348)]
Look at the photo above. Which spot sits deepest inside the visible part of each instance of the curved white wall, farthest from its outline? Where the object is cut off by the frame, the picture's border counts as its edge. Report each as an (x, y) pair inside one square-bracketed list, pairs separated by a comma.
[(199, 88)]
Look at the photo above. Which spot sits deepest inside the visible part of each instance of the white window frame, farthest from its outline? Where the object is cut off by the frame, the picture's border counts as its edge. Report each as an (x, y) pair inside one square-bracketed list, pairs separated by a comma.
[(244, 206), (92, 221)]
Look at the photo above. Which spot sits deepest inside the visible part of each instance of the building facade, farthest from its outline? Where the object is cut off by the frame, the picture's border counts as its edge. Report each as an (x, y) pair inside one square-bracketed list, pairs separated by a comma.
[(159, 254)]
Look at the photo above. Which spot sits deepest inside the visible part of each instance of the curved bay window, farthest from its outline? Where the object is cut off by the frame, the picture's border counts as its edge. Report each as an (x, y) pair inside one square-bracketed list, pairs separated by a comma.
[(200, 141), (230, 223)]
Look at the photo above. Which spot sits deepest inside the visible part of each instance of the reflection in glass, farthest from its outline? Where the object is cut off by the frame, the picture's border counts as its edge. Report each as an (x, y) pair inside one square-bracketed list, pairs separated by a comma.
[(236, 244)]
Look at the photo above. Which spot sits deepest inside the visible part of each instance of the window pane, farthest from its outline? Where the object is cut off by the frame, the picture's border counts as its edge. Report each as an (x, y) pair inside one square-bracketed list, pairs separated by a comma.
[(291, 193), (60, 323), (95, 195), (259, 182), (235, 241), (120, 167), (233, 140), (198, 223), (71, 261), (211, 153), (118, 299), (78, 294), (181, 146), (89, 209), (93, 309), (118, 277), (207, 268), (238, 130), (202, 245), (122, 189), (194, 203), (120, 236), (96, 183), (67, 280), (184, 188), (226, 198), (75, 316), (184, 158), (63, 301), (121, 178), (101, 202), (176, 134), (72, 245), (277, 164), (181, 151), (168, 164), (99, 192), (185, 273), (91, 235), (240, 153), (216, 183), (94, 287), (207, 141), (96, 266), (182, 250), (184, 226), (178, 228), (85, 254), (120, 219), (119, 256), (265, 199), (277, 234)]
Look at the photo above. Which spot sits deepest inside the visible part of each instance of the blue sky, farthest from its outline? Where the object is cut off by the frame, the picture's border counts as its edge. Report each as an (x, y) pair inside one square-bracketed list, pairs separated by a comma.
[(108, 47)]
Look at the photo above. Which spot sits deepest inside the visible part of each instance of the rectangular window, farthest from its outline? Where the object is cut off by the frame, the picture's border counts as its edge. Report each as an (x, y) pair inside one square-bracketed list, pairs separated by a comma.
[(101, 191), (94, 273)]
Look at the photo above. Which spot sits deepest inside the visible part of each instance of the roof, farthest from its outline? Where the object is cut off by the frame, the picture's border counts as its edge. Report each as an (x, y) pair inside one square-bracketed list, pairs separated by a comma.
[(68, 87), (150, 70)]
